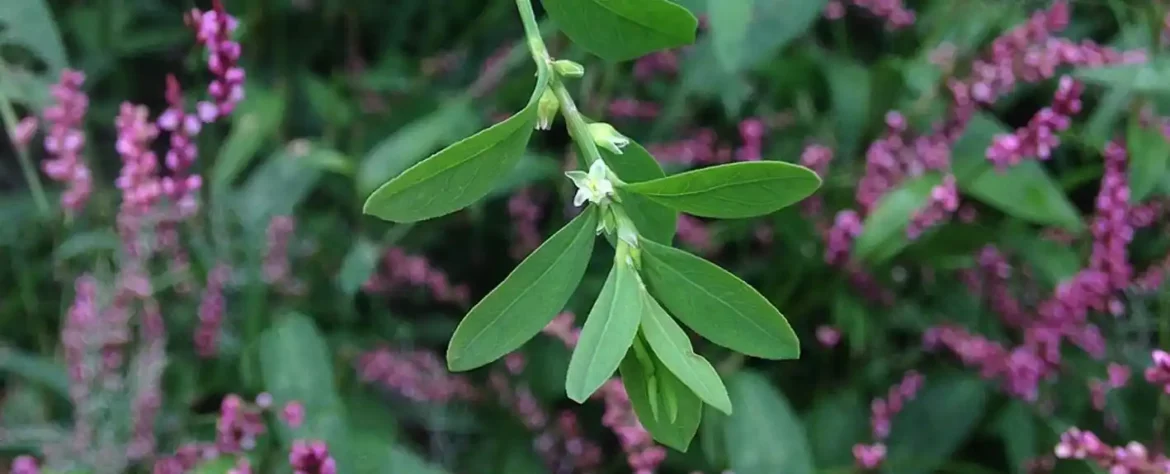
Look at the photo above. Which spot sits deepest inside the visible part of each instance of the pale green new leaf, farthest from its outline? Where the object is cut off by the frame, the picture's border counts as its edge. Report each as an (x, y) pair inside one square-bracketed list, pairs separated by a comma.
[(527, 299), (1149, 156), (460, 174), (732, 191), (716, 304), (673, 347), (608, 333), (677, 433), (619, 30)]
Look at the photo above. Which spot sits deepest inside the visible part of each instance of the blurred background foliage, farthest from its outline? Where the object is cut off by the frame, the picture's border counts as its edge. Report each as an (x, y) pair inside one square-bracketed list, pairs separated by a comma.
[(345, 94)]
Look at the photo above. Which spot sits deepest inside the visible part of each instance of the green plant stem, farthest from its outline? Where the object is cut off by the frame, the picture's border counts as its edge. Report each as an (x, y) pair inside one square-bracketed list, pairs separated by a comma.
[(578, 128), (8, 115)]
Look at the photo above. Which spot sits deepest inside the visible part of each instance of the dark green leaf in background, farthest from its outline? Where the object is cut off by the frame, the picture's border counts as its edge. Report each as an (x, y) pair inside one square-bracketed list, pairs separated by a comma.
[(884, 232), (837, 420), (732, 191), (29, 24), (849, 86), (257, 120), (729, 23), (935, 424), (716, 304), (527, 299), (764, 435), (1142, 77), (1149, 155), (45, 372), (608, 332), (620, 30), (410, 144)]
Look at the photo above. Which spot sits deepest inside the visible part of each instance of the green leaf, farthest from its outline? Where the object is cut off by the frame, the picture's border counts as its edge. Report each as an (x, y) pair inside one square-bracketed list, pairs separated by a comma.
[(654, 221), (358, 265), (86, 243), (276, 188), (729, 30), (929, 429), (837, 419), (637, 379), (409, 145), (758, 444), (620, 30), (849, 87), (1017, 428), (883, 234), (296, 365), (1149, 155), (673, 347), (608, 332), (220, 465), (527, 299), (732, 191), (257, 120), (460, 174), (45, 372), (531, 169), (716, 304), (1144, 77), (1024, 191), (29, 24), (329, 103)]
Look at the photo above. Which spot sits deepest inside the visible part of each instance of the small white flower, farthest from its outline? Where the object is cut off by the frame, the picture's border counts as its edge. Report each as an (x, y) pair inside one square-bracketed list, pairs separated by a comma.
[(594, 186)]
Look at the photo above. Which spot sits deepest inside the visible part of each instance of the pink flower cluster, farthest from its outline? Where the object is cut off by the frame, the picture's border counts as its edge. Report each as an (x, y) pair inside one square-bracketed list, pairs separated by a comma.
[(839, 238), (1019, 371), (700, 147), (1133, 458), (828, 336), (238, 426), (694, 233), (816, 157), (277, 266), (399, 270), (417, 375), (525, 213), (659, 63), (1118, 376), (213, 30), (138, 180), (211, 311), (751, 132), (181, 186), (1159, 373), (944, 201), (25, 465), (66, 138), (893, 12), (627, 108), (1039, 138), (1111, 228), (883, 410), (899, 155), (311, 457)]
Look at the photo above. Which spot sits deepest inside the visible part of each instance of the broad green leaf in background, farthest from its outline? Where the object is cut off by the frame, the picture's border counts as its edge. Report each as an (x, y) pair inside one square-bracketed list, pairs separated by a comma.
[(459, 174), (256, 121), (620, 30), (1143, 77), (838, 419), (360, 262), (1017, 428), (29, 24), (330, 104), (608, 332), (1102, 123), (297, 366), (849, 87), (677, 433), (716, 304), (774, 23), (220, 465), (527, 299), (729, 30), (278, 186), (732, 191), (1149, 155), (45, 372), (529, 170), (1024, 191), (673, 347), (410, 144), (654, 221), (936, 423), (883, 234), (764, 435), (86, 243)]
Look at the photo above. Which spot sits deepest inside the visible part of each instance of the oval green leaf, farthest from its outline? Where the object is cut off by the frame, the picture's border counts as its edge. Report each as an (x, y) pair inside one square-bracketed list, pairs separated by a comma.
[(883, 234), (608, 333), (459, 174), (732, 191), (729, 30), (654, 221), (673, 347), (527, 299), (1024, 191), (716, 304), (678, 433), (620, 30), (931, 428), (1149, 155), (770, 444)]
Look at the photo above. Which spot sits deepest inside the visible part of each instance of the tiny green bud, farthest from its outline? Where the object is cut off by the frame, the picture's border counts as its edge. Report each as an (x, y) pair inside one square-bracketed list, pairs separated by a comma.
[(605, 136), (566, 68), (546, 110)]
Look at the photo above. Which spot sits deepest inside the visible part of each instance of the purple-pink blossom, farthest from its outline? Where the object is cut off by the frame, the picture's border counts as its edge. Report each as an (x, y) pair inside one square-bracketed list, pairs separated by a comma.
[(293, 414), (1133, 458), (943, 201), (25, 465), (1039, 137), (870, 456), (311, 457), (400, 271), (417, 375), (180, 186), (211, 312), (525, 213), (65, 139), (213, 30), (238, 426), (1159, 373)]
